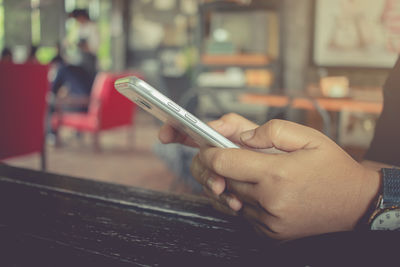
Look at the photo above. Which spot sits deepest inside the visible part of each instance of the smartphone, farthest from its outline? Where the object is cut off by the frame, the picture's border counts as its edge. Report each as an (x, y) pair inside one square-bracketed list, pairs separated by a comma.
[(169, 112)]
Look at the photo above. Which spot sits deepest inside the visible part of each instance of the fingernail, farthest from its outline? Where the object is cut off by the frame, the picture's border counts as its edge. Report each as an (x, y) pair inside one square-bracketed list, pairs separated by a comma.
[(215, 185), (234, 203), (210, 183), (247, 135)]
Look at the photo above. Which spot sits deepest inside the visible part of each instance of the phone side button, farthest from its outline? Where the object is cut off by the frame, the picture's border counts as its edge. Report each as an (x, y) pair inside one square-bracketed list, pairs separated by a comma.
[(174, 107), (190, 118)]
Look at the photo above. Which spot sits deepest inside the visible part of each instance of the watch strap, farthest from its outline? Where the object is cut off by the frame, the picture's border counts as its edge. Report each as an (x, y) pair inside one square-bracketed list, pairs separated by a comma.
[(391, 187)]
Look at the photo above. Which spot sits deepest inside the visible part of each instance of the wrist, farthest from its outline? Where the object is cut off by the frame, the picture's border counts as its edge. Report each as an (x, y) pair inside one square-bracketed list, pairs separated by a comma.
[(372, 191), (384, 211), (387, 213)]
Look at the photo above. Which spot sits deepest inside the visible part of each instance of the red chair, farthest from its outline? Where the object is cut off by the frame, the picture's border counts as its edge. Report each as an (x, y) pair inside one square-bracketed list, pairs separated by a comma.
[(23, 90), (107, 109)]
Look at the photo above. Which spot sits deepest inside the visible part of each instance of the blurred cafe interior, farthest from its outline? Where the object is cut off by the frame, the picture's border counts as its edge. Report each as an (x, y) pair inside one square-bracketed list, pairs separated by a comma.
[(320, 63)]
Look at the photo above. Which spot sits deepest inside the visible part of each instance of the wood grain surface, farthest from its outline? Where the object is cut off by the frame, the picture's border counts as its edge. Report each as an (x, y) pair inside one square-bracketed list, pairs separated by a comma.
[(51, 219)]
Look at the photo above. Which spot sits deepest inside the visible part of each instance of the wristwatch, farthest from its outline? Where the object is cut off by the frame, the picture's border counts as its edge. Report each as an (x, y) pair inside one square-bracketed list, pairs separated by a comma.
[(386, 215)]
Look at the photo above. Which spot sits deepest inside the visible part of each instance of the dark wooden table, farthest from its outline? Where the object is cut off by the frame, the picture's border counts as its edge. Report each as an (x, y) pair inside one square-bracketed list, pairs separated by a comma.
[(53, 220), (47, 218)]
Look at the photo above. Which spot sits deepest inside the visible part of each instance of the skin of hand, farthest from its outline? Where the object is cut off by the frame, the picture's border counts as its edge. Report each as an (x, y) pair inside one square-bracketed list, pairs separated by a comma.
[(314, 188), (231, 126)]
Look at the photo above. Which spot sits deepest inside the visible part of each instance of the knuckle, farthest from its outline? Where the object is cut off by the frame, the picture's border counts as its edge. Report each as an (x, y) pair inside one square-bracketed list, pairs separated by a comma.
[(198, 171), (276, 227), (277, 205), (274, 127), (281, 175), (277, 177), (280, 229), (275, 208), (194, 167), (219, 161), (202, 178), (274, 123), (230, 116)]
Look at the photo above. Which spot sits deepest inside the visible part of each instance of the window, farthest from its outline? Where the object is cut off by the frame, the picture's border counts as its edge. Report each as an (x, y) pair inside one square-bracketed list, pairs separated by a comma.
[(1, 25)]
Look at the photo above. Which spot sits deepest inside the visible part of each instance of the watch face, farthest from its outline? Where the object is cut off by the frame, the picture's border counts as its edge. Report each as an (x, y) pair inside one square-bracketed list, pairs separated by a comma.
[(387, 220)]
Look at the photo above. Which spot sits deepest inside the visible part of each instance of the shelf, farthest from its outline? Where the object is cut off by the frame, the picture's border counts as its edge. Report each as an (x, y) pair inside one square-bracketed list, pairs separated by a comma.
[(246, 89), (329, 104), (238, 60), (239, 6)]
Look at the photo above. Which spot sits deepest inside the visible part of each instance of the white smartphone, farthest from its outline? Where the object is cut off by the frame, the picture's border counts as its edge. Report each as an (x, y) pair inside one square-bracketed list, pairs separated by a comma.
[(169, 112)]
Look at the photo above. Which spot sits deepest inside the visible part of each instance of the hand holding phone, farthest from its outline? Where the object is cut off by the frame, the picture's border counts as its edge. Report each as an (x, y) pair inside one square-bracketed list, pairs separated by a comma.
[(171, 113), (235, 126)]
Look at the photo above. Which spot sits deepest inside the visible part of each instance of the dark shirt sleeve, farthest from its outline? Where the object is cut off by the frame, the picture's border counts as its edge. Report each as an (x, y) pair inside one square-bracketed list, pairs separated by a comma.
[(59, 80), (74, 78), (385, 146)]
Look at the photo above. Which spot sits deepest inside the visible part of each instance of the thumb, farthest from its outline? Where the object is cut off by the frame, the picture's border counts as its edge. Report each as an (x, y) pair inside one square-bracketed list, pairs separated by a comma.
[(283, 135), (231, 125)]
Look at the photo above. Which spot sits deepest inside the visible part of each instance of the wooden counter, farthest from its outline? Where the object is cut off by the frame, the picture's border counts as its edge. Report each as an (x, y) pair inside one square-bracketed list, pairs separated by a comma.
[(54, 220), (329, 104)]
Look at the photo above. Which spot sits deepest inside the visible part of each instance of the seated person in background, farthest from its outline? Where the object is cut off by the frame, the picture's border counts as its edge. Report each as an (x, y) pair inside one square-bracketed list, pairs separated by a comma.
[(314, 188), (88, 61), (6, 56), (74, 78), (77, 78), (32, 55)]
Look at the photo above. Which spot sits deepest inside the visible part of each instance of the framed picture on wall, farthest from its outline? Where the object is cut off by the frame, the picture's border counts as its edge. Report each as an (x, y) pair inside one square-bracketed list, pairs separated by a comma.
[(357, 33)]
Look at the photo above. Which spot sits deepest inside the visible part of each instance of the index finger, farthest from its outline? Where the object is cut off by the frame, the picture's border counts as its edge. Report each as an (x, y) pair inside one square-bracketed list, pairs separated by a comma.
[(169, 134), (239, 164), (230, 125)]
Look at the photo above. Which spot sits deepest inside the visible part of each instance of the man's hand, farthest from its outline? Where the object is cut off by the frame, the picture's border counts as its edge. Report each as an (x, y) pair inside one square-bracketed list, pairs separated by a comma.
[(231, 126), (314, 188)]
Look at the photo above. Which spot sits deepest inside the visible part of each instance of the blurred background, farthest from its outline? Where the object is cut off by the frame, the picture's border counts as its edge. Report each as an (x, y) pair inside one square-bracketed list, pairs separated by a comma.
[(321, 63)]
